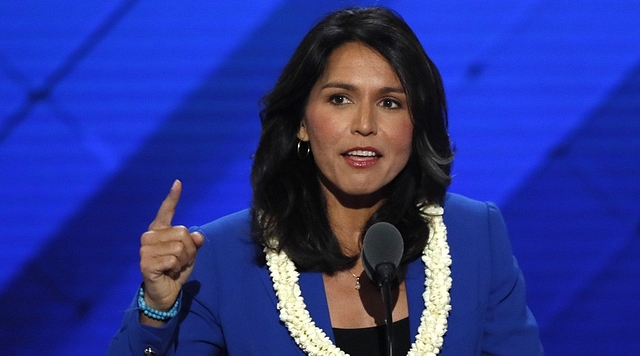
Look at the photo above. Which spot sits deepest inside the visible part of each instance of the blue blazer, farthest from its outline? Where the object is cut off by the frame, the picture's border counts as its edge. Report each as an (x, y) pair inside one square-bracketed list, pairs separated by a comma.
[(229, 306)]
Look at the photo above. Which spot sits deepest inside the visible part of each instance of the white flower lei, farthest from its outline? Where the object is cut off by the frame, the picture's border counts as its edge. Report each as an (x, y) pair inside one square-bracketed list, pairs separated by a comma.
[(433, 321)]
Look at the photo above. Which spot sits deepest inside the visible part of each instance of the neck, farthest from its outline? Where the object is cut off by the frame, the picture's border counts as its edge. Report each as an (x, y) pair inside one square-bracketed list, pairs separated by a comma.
[(348, 220)]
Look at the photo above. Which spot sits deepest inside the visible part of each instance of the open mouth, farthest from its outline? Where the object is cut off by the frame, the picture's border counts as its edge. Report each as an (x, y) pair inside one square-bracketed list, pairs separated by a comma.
[(362, 157)]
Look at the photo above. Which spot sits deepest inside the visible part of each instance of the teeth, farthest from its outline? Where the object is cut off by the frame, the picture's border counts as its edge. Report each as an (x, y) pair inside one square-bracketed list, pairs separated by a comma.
[(362, 153)]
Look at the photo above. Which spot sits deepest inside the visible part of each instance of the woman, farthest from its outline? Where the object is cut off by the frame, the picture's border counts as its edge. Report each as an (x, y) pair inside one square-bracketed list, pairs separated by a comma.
[(354, 132)]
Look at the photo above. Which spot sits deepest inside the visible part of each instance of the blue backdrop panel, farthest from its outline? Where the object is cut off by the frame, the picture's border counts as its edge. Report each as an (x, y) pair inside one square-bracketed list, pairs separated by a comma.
[(576, 224), (103, 105)]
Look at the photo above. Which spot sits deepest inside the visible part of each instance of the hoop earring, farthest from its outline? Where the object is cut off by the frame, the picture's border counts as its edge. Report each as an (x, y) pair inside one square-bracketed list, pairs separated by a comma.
[(306, 154)]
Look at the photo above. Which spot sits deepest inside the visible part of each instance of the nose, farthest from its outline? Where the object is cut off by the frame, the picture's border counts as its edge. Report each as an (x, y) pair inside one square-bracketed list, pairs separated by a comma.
[(364, 122)]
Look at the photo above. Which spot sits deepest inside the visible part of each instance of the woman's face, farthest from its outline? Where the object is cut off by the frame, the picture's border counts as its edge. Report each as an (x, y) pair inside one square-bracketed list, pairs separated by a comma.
[(357, 122)]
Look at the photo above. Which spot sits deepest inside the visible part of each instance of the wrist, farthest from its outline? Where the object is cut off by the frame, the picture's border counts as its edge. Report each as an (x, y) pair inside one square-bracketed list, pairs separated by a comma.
[(162, 315)]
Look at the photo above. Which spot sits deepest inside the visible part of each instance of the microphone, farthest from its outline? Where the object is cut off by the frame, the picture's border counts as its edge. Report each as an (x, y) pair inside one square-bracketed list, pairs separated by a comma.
[(382, 251)]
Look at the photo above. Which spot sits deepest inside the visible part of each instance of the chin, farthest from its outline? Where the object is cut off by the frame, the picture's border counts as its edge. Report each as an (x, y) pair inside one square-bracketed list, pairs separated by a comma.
[(359, 190), (354, 190), (362, 193)]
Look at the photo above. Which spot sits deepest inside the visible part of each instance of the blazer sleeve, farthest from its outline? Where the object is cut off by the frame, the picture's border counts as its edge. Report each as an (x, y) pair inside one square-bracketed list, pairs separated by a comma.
[(134, 338), (509, 326), (192, 332)]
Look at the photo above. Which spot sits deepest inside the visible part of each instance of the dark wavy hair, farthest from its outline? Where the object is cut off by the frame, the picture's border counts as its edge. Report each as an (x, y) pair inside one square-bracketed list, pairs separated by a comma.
[(289, 209)]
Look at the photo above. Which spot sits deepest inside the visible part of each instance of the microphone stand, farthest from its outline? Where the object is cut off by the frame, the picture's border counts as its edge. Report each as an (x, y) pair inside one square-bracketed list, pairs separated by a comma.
[(386, 271)]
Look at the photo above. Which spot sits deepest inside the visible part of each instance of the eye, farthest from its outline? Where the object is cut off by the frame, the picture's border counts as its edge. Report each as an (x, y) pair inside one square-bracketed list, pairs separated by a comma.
[(339, 99), (390, 104)]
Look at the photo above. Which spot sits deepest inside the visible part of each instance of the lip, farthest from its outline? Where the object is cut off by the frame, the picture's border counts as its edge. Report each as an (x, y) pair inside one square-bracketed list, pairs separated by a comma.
[(361, 157)]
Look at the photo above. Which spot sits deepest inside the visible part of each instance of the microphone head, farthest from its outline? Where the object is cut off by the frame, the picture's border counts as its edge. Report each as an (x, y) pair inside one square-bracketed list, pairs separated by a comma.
[(382, 251)]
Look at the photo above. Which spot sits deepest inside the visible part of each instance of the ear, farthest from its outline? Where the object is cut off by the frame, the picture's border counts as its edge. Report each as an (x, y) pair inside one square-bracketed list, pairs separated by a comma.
[(302, 132)]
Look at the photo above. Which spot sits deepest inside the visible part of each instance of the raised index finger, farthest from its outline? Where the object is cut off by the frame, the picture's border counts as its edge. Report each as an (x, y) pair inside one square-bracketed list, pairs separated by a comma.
[(168, 208)]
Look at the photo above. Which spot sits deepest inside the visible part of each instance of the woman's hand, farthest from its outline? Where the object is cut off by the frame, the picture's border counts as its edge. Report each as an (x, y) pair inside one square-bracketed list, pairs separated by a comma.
[(167, 256)]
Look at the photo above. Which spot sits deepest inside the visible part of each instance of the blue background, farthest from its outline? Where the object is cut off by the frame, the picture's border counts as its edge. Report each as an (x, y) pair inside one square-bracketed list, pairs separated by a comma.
[(104, 103)]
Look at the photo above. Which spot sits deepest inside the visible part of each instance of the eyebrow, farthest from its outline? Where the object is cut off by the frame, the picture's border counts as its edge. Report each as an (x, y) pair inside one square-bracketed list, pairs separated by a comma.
[(383, 90)]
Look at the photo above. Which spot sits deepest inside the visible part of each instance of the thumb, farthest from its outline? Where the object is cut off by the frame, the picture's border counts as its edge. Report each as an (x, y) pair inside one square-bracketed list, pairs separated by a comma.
[(167, 208), (197, 239)]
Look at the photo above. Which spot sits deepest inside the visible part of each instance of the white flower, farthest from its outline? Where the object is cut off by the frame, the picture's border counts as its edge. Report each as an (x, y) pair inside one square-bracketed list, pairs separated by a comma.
[(433, 321)]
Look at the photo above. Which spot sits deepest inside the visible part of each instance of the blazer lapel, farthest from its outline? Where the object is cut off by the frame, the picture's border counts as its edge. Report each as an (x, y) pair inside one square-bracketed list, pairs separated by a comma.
[(312, 287), (265, 276), (414, 282)]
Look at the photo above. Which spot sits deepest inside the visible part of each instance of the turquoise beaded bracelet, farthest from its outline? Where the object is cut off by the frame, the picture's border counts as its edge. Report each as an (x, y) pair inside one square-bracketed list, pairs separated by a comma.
[(155, 313)]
